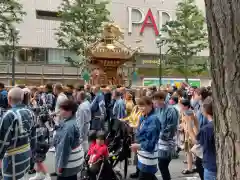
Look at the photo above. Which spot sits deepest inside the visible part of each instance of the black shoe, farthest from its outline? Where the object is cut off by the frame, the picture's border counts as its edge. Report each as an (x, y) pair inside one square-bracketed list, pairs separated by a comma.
[(178, 150), (32, 171), (134, 175), (176, 156), (53, 174)]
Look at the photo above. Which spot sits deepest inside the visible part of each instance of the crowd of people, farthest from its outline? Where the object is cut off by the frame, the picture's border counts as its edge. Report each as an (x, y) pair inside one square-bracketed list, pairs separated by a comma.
[(73, 122)]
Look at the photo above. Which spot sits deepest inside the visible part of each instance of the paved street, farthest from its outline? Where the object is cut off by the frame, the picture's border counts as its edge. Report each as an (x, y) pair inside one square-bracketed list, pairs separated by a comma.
[(176, 166)]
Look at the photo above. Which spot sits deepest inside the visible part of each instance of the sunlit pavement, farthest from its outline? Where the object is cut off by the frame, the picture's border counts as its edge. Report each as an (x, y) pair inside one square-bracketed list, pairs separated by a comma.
[(176, 166)]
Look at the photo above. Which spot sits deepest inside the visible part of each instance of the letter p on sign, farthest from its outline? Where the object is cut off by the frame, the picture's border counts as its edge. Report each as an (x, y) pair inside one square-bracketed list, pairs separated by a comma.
[(130, 19)]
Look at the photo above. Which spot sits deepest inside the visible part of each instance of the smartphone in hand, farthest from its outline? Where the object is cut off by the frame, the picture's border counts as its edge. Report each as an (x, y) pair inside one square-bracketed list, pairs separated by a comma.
[(188, 113)]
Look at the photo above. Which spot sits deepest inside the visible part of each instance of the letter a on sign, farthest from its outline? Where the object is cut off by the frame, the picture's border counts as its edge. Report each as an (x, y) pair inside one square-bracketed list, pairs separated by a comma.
[(152, 23)]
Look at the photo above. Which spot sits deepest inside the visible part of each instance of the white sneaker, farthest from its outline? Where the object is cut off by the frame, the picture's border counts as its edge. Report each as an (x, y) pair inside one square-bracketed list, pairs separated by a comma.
[(47, 177), (38, 176), (52, 149)]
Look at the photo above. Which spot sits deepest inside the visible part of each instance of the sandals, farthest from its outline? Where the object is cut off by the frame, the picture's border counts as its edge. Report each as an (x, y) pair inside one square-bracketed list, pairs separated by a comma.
[(32, 171), (185, 162), (186, 171)]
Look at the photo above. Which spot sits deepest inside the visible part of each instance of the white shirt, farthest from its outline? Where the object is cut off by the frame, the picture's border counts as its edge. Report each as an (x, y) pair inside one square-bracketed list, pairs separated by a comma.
[(83, 118), (61, 98)]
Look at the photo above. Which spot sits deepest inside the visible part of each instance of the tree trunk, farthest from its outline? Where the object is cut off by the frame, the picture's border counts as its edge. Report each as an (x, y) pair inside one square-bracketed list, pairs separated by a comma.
[(186, 66), (186, 78), (223, 20)]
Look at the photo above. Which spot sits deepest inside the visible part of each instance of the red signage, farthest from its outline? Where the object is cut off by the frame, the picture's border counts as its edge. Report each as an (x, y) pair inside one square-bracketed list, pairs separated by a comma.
[(149, 21)]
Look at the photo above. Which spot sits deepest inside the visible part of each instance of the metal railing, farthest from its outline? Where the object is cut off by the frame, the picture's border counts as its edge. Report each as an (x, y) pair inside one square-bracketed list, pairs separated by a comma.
[(36, 69)]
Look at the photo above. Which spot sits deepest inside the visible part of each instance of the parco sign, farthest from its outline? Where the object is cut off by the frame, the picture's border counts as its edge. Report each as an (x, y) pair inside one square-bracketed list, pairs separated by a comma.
[(147, 20)]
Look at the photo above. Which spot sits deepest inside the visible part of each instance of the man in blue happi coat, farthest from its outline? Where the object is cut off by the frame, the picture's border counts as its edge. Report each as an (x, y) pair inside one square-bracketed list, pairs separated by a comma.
[(17, 137), (98, 110), (3, 99), (168, 117), (119, 108)]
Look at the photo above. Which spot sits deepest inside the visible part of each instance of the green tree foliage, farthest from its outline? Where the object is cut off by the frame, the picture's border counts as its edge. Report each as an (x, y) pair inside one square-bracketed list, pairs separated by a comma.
[(186, 36), (81, 25), (11, 13)]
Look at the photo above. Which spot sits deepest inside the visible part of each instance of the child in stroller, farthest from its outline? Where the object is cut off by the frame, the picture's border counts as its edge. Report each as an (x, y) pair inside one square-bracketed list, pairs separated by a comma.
[(98, 150), (96, 154), (97, 164)]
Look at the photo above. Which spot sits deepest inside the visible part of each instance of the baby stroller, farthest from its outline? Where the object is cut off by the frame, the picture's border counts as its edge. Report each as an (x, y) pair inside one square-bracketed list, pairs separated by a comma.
[(100, 170), (119, 141)]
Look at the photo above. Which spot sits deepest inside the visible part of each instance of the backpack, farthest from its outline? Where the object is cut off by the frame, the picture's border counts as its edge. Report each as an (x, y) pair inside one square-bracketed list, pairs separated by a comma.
[(3, 101), (53, 102), (53, 97)]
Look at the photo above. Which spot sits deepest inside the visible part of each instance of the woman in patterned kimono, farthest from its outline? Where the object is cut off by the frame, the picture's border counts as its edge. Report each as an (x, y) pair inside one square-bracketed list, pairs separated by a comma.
[(69, 152)]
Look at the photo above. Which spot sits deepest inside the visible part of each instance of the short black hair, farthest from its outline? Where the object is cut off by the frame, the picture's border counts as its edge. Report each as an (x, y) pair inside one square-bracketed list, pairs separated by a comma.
[(58, 87), (92, 135), (118, 94), (2, 85), (145, 100), (101, 135), (69, 105), (70, 86), (49, 86), (175, 99), (79, 87), (159, 95), (185, 102), (208, 105), (22, 86)]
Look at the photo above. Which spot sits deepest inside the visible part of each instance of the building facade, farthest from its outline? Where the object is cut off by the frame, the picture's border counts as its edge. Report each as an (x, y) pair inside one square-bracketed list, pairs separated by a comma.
[(41, 59)]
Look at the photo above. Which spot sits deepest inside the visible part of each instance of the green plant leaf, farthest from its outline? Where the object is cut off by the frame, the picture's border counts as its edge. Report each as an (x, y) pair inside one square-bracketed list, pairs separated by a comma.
[(186, 37), (81, 25), (11, 13), (86, 76)]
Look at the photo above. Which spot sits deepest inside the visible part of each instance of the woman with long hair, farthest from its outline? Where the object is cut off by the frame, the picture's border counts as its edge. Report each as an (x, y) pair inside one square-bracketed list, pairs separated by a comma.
[(129, 102), (187, 113)]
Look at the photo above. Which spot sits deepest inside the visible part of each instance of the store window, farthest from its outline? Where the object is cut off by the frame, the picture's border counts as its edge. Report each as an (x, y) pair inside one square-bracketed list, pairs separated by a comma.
[(47, 15), (5, 53), (58, 56), (35, 55)]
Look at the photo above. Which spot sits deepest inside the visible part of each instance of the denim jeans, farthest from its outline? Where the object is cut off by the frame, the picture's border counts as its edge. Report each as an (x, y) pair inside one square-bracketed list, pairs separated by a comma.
[(209, 175)]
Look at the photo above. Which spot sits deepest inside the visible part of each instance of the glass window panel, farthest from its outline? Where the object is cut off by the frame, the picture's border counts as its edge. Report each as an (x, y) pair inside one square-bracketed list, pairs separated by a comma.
[(28, 55)]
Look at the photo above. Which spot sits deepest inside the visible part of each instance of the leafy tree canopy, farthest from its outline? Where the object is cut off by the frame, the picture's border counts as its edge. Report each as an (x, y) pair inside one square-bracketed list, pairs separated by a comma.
[(11, 13), (81, 25), (186, 36)]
